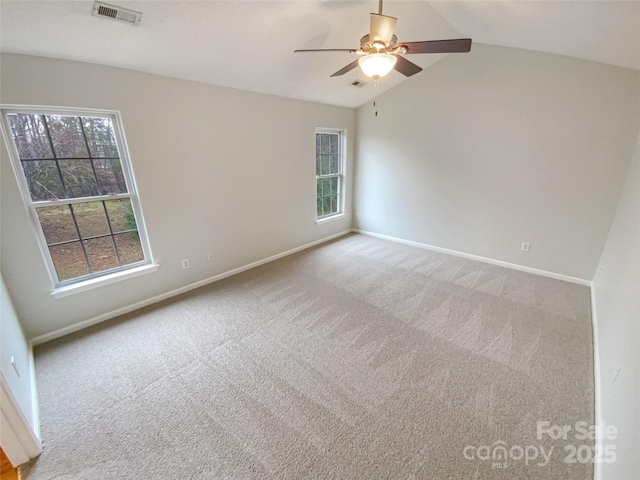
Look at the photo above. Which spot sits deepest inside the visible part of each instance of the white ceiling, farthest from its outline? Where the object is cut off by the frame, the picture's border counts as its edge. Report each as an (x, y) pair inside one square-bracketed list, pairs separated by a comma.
[(603, 31), (249, 44)]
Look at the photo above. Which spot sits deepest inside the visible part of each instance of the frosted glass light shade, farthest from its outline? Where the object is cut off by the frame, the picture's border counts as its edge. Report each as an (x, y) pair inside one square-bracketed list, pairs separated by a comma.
[(377, 64)]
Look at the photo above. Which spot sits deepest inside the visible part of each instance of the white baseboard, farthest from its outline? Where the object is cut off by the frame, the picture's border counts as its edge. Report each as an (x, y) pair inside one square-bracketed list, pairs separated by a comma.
[(493, 261), (597, 468), (158, 298), (597, 474)]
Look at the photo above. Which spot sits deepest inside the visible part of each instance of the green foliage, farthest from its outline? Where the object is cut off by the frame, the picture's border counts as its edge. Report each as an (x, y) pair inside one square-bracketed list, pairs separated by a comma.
[(130, 219), (116, 166)]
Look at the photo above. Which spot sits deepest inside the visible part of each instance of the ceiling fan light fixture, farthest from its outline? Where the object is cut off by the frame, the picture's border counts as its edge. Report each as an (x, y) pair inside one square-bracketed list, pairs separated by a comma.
[(377, 65)]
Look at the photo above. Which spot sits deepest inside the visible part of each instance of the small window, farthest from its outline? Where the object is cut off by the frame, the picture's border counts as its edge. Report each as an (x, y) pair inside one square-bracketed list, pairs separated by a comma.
[(76, 180), (329, 172)]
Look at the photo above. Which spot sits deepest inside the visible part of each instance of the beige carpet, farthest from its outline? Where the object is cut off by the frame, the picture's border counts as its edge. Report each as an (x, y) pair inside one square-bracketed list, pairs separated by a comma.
[(360, 358)]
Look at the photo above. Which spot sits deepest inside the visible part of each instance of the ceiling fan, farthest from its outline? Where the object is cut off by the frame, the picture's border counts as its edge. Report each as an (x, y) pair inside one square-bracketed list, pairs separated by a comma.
[(380, 51)]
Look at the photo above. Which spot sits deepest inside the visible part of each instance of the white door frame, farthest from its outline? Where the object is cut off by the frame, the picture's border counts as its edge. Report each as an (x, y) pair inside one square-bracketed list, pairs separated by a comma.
[(17, 439)]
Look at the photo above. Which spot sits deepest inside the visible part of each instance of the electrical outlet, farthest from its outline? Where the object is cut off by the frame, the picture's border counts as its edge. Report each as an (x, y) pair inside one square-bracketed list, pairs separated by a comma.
[(185, 263), (525, 246), (210, 256)]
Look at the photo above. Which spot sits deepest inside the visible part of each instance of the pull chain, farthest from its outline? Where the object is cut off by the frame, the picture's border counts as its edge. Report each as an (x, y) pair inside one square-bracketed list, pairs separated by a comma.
[(375, 79), (375, 101)]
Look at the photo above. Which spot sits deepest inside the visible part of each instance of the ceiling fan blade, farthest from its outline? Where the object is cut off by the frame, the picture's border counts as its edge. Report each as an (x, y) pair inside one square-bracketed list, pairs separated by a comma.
[(350, 50), (459, 45), (381, 28), (406, 67), (346, 69)]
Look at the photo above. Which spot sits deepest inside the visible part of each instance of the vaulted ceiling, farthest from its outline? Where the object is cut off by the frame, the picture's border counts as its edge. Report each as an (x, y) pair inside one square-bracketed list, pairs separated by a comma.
[(249, 44)]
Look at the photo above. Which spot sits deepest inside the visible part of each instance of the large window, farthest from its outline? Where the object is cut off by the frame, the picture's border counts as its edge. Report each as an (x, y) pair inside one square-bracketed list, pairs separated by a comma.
[(76, 180), (329, 172)]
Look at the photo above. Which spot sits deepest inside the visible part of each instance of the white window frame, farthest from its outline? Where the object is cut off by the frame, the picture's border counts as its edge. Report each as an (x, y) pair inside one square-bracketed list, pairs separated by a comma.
[(340, 176), (96, 279)]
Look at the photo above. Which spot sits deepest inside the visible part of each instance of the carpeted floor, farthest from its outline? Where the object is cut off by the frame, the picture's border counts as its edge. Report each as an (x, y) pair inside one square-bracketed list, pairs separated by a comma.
[(360, 358)]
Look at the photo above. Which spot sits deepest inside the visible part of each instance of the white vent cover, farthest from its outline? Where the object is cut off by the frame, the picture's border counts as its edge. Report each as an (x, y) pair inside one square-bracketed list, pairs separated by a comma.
[(120, 14), (358, 83)]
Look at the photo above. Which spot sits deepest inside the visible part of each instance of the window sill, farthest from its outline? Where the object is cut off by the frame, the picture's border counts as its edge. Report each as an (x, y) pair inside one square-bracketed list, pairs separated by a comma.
[(92, 283), (337, 216)]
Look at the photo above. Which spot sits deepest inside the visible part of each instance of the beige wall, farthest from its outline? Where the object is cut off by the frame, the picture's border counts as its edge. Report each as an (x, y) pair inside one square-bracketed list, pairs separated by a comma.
[(217, 169), (616, 290), (487, 150)]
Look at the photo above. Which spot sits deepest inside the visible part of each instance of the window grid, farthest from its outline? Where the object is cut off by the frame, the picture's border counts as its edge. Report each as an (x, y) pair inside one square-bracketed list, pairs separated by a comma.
[(113, 239), (55, 158), (328, 173), (81, 239), (67, 158), (115, 181), (84, 248), (67, 191)]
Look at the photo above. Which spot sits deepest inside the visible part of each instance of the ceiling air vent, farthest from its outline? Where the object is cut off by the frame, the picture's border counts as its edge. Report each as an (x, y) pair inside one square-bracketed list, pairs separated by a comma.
[(358, 83), (120, 14)]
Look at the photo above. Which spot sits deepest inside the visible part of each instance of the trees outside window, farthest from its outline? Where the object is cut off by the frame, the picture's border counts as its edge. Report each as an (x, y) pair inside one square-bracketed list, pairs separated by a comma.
[(329, 172), (76, 180)]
